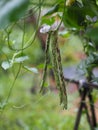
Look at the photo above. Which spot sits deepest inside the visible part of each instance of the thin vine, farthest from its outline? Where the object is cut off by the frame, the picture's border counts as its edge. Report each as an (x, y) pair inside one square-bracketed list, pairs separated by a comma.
[(32, 38), (46, 61), (11, 88), (24, 46)]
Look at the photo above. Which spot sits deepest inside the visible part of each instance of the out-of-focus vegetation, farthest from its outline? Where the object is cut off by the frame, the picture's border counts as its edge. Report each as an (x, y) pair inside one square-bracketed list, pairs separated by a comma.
[(20, 51), (27, 111), (71, 54)]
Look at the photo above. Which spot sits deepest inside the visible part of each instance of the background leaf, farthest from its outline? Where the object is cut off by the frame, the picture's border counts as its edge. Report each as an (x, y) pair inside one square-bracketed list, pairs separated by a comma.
[(11, 10), (31, 69), (6, 65), (92, 33), (21, 59)]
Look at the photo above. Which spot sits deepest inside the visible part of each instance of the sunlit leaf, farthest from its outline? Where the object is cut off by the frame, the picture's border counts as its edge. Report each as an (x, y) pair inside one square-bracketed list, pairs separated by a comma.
[(46, 84), (31, 69), (21, 59), (64, 33), (48, 21), (41, 66), (6, 65)]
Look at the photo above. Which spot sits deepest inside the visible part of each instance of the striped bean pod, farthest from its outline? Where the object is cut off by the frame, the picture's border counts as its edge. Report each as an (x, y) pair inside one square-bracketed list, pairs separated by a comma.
[(62, 80), (54, 61), (46, 62), (57, 67)]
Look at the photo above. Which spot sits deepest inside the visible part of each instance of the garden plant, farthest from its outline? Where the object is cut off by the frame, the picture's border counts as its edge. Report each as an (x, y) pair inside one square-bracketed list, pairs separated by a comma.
[(23, 23)]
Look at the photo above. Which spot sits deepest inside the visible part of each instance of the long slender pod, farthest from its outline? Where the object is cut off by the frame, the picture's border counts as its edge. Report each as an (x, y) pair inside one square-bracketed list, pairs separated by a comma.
[(46, 61), (62, 80), (54, 58), (57, 67)]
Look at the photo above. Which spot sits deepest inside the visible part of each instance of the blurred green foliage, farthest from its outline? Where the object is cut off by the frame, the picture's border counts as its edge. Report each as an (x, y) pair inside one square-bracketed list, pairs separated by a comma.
[(71, 54), (26, 111), (11, 11), (23, 110)]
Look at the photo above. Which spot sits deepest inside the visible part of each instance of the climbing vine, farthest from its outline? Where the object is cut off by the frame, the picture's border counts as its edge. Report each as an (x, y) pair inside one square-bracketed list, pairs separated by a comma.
[(77, 17)]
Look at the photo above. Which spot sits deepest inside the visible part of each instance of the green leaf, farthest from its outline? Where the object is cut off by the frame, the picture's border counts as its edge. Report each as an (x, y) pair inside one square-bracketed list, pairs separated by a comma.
[(31, 69), (11, 10), (90, 8), (6, 65), (64, 33), (95, 79), (92, 33), (46, 85), (52, 10), (41, 66), (20, 59), (74, 15), (2, 105), (48, 21)]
